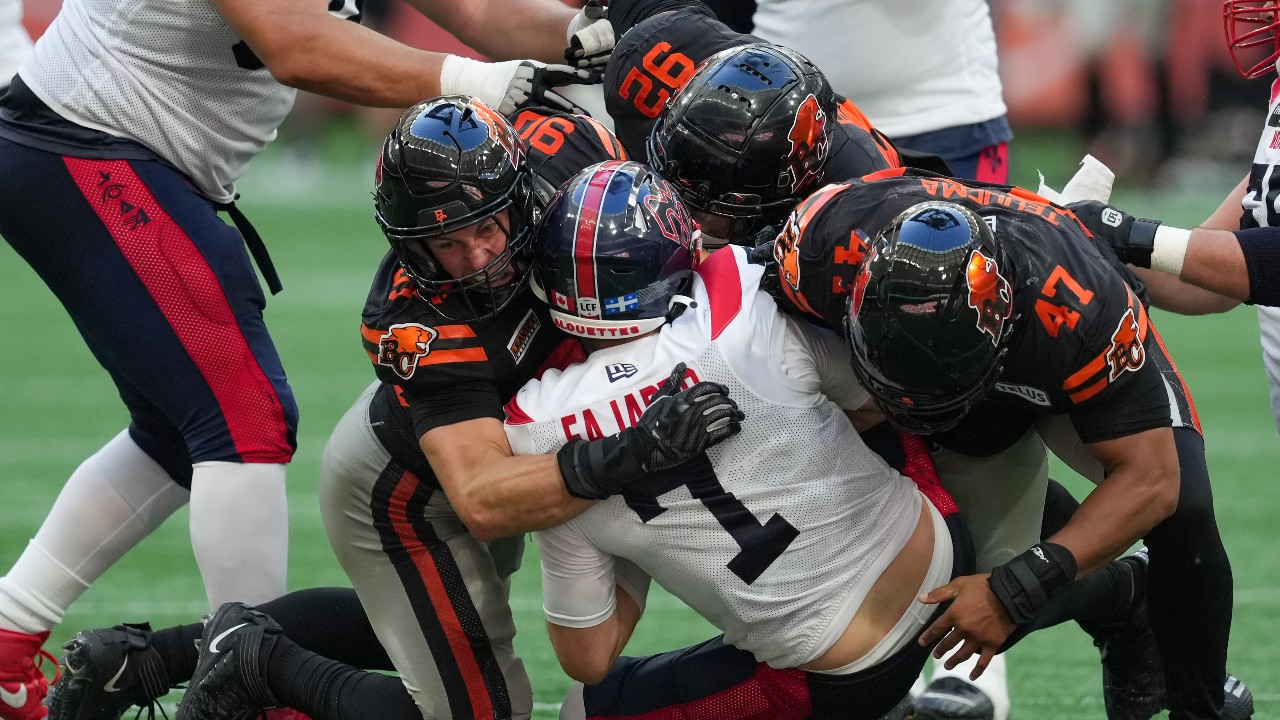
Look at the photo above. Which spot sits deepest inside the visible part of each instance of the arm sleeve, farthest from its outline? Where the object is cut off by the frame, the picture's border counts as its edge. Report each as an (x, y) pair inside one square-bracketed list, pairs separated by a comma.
[(818, 357), (577, 578), (441, 404)]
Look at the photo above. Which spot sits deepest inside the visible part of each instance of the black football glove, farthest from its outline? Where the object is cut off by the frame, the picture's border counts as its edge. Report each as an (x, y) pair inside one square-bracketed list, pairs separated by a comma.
[(1132, 238), (678, 426), (762, 253)]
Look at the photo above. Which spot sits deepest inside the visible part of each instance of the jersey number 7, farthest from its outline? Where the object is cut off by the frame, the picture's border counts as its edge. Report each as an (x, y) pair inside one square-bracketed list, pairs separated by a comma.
[(759, 544)]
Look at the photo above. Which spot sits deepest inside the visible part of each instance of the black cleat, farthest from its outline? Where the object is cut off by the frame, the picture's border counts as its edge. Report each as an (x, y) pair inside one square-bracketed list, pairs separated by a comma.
[(106, 672), (230, 681), (951, 698), (901, 711), (1132, 674), (1238, 701)]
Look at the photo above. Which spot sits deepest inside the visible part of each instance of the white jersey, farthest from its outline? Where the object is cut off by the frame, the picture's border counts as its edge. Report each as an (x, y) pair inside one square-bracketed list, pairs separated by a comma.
[(779, 533), (15, 44), (169, 74), (1260, 206), (913, 66)]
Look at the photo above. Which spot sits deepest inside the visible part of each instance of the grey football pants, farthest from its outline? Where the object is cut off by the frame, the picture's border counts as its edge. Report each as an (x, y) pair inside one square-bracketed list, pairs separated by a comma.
[(436, 596)]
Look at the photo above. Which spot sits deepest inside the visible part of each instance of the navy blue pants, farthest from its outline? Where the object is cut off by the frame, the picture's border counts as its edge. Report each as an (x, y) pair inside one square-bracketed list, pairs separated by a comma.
[(164, 294)]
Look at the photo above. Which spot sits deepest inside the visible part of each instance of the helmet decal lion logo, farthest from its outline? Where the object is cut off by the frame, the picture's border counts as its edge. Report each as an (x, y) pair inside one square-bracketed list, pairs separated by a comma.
[(403, 345), (810, 143), (989, 294)]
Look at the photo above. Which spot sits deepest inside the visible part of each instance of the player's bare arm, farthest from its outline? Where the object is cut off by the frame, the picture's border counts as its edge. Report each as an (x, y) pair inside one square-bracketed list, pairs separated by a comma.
[(586, 654), (307, 48), (505, 29), (495, 493), (1140, 490), (1219, 257), (1178, 296)]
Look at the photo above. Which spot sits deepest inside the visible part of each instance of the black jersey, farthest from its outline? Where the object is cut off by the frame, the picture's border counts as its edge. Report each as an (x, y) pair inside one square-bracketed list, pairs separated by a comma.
[(656, 58), (1081, 335), (436, 371)]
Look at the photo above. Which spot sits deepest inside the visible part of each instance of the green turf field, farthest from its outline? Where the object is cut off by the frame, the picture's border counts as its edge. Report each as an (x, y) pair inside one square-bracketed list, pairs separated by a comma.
[(59, 406)]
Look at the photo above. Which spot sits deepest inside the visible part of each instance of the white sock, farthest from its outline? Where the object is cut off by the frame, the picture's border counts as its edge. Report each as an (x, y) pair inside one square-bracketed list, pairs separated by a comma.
[(573, 707), (994, 682), (240, 530), (113, 500)]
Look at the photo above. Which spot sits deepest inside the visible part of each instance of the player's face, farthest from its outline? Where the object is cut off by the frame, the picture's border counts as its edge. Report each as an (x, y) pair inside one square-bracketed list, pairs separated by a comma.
[(473, 248)]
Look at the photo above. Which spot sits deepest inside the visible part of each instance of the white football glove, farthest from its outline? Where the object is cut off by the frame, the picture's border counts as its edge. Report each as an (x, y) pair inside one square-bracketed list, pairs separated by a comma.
[(590, 37), (511, 85)]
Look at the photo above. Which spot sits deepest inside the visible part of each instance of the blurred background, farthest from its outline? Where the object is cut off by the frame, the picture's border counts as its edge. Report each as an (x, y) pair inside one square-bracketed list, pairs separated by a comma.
[(1146, 86)]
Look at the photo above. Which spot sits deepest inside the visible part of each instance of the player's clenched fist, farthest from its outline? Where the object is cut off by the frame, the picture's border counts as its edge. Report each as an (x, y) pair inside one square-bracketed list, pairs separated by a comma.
[(678, 426)]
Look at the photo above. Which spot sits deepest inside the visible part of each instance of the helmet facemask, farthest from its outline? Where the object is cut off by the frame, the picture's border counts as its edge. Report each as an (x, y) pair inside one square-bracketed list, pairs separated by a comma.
[(930, 315), (1252, 30), (452, 163)]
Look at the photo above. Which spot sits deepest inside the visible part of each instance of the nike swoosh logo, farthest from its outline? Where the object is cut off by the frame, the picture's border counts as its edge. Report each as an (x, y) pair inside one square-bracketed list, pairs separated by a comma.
[(213, 646), (111, 684), (14, 700)]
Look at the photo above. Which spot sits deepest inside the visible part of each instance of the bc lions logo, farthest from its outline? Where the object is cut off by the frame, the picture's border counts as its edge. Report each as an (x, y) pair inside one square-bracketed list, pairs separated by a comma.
[(499, 129), (989, 294), (402, 346), (859, 290), (810, 143), (1126, 352)]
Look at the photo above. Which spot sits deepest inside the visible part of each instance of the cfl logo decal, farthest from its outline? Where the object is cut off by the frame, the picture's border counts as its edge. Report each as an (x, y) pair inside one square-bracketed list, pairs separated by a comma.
[(1112, 217), (588, 307)]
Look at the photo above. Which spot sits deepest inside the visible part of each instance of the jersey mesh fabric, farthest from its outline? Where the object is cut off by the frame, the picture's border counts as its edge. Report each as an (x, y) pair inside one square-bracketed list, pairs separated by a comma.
[(162, 73), (797, 457), (15, 44)]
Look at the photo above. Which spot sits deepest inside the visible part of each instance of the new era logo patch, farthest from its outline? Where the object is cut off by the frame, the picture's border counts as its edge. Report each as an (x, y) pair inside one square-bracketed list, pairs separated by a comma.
[(618, 371)]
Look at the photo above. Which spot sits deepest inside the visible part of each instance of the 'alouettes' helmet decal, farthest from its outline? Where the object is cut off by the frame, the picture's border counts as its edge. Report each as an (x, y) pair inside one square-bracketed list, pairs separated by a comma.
[(403, 345)]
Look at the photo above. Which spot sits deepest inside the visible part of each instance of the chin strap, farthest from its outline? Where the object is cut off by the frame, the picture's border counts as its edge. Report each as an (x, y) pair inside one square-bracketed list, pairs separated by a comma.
[(677, 306)]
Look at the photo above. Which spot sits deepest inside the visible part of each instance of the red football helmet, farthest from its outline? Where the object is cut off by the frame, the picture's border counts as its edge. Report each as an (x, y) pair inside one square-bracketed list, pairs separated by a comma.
[(1252, 28)]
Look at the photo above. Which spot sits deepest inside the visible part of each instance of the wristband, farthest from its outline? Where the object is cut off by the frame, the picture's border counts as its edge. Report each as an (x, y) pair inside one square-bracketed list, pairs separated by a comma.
[(451, 74), (1029, 581), (597, 469), (1169, 250)]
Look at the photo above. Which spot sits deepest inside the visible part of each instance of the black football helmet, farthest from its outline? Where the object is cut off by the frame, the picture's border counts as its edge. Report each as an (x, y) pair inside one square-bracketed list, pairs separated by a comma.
[(746, 139), (930, 315), (449, 163), (615, 247), (1253, 35)]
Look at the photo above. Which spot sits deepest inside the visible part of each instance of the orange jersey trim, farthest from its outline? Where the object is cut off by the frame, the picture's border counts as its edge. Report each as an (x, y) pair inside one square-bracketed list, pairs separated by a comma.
[(446, 332), (1075, 384)]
